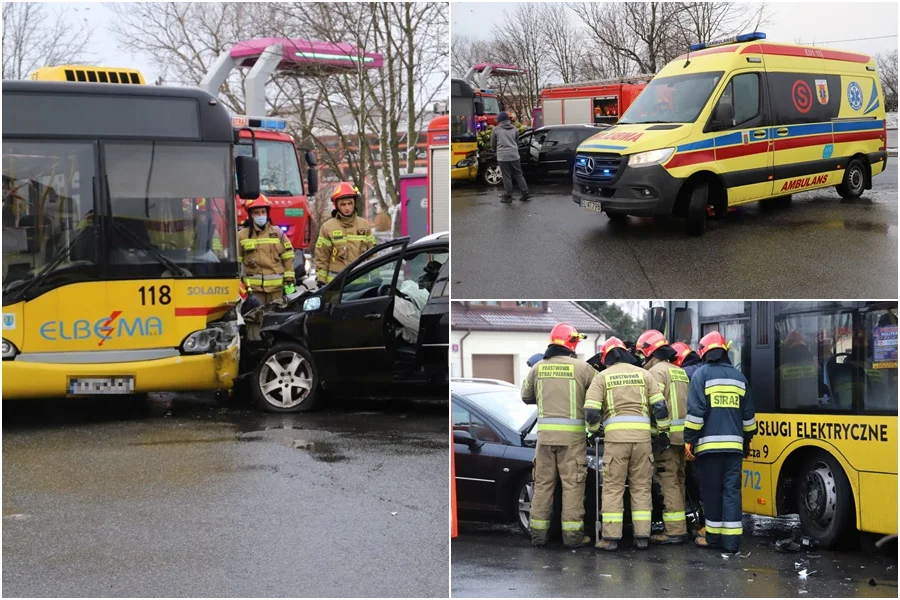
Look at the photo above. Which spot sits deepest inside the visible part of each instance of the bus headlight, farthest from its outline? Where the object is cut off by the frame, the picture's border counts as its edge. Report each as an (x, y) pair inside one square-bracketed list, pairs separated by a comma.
[(653, 157), (9, 350), (216, 338)]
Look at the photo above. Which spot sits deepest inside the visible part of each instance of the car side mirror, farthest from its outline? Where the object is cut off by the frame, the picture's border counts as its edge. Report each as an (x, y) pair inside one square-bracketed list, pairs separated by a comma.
[(479, 108), (658, 318), (467, 439), (312, 304), (247, 169)]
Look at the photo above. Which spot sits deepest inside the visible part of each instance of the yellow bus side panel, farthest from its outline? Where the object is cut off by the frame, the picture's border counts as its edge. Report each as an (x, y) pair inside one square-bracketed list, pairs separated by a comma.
[(757, 489), (877, 510)]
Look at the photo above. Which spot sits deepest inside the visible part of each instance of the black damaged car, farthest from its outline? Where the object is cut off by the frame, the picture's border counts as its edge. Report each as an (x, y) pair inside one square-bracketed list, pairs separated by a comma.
[(381, 324)]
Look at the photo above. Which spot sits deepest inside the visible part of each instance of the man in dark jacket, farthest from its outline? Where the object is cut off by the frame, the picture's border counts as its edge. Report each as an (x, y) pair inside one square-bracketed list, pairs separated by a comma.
[(505, 144), (719, 425)]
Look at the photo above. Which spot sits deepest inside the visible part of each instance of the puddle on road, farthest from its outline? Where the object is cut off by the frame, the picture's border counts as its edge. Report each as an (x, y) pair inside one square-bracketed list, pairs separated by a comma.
[(321, 451)]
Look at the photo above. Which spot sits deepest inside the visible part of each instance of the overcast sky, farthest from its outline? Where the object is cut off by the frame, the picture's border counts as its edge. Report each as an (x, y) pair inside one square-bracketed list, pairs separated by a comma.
[(809, 21)]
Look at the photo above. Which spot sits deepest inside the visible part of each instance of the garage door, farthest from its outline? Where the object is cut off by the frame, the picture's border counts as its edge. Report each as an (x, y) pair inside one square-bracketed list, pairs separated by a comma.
[(494, 366)]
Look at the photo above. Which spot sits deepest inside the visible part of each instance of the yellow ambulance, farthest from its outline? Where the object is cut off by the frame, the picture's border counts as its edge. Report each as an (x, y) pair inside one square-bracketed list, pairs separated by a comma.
[(736, 121)]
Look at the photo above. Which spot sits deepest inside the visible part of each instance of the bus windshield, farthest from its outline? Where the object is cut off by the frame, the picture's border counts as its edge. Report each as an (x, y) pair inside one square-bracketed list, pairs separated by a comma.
[(675, 99), (462, 119), (279, 171)]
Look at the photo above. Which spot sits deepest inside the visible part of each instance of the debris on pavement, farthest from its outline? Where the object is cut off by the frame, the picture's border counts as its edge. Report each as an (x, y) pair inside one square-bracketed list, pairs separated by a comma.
[(803, 574), (746, 555), (872, 581), (787, 545), (394, 514)]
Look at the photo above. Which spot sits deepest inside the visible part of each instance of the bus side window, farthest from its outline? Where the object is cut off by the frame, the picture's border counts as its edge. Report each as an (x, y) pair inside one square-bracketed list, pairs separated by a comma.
[(880, 360)]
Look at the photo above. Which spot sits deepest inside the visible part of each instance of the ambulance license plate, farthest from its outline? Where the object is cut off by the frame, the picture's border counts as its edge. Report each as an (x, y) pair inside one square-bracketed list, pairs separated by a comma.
[(91, 386), (591, 205)]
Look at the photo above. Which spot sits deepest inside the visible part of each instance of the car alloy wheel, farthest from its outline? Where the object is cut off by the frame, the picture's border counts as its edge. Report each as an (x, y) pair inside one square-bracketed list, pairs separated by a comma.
[(493, 175), (285, 380), (526, 494)]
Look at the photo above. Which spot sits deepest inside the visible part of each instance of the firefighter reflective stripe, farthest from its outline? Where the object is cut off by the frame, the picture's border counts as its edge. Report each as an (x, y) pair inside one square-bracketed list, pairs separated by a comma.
[(540, 398), (540, 524), (674, 516), (657, 397), (593, 404), (610, 404), (572, 410), (750, 425), (612, 517), (614, 423), (253, 243), (551, 427), (288, 275), (321, 274), (732, 528), (692, 422), (713, 524), (322, 241), (287, 254), (217, 243), (264, 280), (572, 525), (725, 386), (560, 421), (720, 442), (640, 515), (676, 425)]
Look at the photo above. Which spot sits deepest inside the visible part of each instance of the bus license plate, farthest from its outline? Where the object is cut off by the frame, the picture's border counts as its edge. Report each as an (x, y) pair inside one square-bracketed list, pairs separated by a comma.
[(591, 205), (101, 385)]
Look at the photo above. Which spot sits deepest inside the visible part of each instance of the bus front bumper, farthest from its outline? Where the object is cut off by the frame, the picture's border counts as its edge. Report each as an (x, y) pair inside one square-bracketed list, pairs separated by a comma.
[(185, 373)]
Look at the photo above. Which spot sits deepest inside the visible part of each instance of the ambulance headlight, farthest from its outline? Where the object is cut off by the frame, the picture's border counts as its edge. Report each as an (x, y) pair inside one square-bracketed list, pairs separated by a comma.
[(9, 350), (653, 157)]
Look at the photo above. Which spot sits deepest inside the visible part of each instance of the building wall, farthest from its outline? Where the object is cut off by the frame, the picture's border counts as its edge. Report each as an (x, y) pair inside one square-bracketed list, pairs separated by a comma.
[(520, 344)]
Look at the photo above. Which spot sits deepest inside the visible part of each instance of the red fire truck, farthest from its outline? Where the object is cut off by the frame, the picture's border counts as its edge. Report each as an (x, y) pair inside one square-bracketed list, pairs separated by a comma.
[(279, 176), (477, 76), (588, 102)]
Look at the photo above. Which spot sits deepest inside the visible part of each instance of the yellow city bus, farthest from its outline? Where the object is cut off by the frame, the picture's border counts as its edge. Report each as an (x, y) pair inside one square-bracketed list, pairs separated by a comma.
[(89, 74), (823, 378), (120, 268), (464, 107)]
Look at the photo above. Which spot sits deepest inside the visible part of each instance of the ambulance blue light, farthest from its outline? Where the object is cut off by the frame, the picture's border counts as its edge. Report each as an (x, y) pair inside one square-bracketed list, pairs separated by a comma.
[(738, 39), (284, 228)]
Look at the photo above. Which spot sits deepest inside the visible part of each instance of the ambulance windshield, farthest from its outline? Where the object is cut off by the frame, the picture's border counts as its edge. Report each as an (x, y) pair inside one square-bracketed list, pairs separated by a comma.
[(675, 99)]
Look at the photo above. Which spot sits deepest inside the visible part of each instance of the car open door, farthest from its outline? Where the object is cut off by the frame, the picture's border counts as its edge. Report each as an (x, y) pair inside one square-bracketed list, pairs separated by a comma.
[(348, 335)]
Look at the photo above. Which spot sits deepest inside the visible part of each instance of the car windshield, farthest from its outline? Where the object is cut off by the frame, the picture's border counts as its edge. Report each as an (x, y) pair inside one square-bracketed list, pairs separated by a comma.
[(279, 171), (491, 105), (675, 99), (505, 405)]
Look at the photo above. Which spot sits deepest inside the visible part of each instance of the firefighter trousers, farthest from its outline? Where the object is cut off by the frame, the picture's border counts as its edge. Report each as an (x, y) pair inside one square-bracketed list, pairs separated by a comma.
[(266, 297), (720, 492), (670, 464), (632, 461), (570, 463)]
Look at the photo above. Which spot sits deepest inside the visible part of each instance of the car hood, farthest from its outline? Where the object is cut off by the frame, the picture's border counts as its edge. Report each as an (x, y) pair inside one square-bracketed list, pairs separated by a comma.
[(629, 139)]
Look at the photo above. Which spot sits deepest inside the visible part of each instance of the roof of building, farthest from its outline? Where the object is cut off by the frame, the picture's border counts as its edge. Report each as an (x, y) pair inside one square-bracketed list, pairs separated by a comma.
[(477, 318)]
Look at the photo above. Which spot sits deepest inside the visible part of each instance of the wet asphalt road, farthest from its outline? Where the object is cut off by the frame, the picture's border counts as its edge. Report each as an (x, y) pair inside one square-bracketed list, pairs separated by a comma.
[(817, 247), (498, 561), (181, 497)]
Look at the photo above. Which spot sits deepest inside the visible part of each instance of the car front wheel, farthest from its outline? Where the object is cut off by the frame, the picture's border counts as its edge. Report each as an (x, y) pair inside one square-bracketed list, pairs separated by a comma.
[(491, 175), (286, 380), (522, 504)]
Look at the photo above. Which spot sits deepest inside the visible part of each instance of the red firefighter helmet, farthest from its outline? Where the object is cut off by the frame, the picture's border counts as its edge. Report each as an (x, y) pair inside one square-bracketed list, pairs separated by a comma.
[(564, 334), (650, 341), (710, 341), (608, 345), (261, 202), (681, 352), (343, 190)]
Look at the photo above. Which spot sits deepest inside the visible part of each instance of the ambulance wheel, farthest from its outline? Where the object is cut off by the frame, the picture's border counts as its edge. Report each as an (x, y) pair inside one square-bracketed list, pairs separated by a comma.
[(825, 501), (698, 196), (286, 380), (854, 183), (522, 503), (491, 175)]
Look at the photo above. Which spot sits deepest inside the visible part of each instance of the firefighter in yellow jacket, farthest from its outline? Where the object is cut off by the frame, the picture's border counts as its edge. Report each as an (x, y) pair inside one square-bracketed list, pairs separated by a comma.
[(266, 253), (670, 463), (626, 400), (344, 237), (557, 384)]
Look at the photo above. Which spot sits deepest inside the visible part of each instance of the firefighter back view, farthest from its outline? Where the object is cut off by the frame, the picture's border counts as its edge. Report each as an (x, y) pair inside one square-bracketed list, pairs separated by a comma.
[(557, 384), (266, 254), (719, 425), (627, 401), (670, 462), (344, 237)]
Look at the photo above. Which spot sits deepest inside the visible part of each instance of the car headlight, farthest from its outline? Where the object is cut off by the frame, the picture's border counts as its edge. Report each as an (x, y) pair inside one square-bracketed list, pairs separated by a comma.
[(653, 157), (9, 349), (216, 338)]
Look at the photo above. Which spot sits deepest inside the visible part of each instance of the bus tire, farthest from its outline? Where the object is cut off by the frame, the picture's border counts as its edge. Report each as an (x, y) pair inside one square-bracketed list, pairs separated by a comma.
[(698, 198), (286, 380), (854, 183), (825, 501)]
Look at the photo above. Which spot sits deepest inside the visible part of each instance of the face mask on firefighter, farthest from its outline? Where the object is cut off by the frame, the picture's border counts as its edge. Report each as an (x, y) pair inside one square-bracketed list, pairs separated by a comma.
[(260, 220)]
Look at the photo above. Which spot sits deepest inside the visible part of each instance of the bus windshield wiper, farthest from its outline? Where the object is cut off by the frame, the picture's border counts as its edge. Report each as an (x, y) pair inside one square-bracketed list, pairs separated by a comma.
[(50, 266), (177, 271)]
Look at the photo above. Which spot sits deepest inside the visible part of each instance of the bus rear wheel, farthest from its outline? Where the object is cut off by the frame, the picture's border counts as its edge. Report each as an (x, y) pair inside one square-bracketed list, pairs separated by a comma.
[(825, 501)]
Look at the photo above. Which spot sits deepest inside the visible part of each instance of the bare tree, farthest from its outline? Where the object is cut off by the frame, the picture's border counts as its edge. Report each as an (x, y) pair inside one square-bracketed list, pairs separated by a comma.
[(564, 43), (706, 21), (521, 40), (41, 35), (887, 70)]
